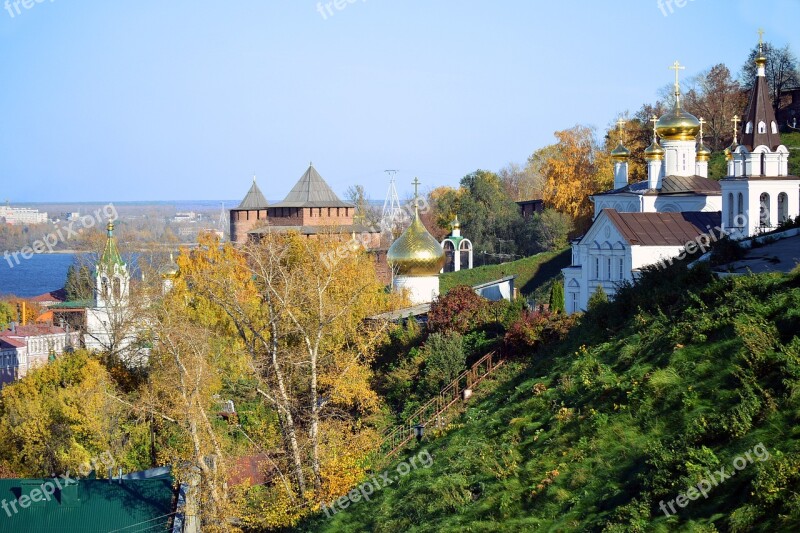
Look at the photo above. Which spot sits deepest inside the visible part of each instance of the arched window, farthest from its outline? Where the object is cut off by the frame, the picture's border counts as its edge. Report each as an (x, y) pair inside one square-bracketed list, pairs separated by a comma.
[(730, 209), (762, 127), (596, 272), (748, 128), (740, 207), (774, 127), (104, 287), (608, 268), (620, 274), (449, 254), (764, 210), (783, 207)]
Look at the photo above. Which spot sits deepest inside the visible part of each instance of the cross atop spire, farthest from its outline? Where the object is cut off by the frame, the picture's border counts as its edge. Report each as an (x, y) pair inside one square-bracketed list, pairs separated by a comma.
[(760, 40), (677, 67), (736, 120), (701, 121), (654, 120), (416, 184), (621, 129)]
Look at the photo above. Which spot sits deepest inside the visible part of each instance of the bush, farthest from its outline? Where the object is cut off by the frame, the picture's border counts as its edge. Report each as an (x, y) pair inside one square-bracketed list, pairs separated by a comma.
[(444, 360), (460, 310)]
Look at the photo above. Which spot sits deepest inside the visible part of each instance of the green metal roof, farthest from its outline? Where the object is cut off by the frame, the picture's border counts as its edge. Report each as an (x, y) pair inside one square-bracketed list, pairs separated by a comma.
[(111, 255), (89, 506)]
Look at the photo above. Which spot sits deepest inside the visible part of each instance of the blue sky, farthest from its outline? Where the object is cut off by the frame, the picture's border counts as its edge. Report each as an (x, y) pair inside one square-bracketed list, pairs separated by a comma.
[(179, 99)]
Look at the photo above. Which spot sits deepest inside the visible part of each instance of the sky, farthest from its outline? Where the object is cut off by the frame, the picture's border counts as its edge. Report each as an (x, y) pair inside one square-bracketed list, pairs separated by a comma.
[(188, 99)]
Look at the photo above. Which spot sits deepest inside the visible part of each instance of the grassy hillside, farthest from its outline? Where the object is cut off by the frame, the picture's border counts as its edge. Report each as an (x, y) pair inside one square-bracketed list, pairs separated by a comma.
[(650, 395), (531, 271)]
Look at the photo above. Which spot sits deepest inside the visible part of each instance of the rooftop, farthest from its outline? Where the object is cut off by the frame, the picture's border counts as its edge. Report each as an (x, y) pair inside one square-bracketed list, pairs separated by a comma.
[(678, 185), (311, 191), (663, 229)]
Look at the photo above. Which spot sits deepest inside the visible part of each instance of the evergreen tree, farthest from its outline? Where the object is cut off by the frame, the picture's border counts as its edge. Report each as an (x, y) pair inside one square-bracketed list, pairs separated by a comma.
[(557, 297), (598, 298)]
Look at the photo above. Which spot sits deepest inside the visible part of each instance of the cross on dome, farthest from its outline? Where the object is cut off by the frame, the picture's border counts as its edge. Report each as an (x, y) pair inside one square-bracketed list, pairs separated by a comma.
[(736, 120)]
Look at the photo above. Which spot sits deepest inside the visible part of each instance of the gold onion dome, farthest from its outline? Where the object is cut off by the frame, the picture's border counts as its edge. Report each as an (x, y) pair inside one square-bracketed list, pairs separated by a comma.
[(703, 153), (170, 270), (678, 125), (456, 224), (654, 151), (416, 252), (620, 153)]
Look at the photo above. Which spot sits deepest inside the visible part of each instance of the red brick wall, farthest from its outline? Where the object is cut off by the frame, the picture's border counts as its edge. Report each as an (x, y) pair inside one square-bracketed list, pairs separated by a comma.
[(244, 221), (311, 216)]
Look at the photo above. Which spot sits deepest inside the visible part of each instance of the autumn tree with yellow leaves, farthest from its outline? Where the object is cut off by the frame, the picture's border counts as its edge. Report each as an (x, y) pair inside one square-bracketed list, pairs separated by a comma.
[(576, 167)]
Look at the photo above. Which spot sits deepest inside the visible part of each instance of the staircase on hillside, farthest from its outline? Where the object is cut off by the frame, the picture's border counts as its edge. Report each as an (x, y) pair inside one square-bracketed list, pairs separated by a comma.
[(432, 412)]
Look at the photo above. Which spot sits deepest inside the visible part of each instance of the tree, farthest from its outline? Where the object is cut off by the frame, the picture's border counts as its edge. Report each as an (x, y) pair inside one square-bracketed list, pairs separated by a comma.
[(444, 359), (7, 315), (79, 285), (598, 298), (557, 297), (59, 417), (781, 70), (299, 319), (522, 183), (487, 214), (716, 97), (575, 169), (364, 213)]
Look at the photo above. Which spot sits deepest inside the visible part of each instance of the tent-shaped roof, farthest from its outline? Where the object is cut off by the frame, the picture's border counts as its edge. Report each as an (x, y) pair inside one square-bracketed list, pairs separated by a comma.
[(311, 191), (254, 199)]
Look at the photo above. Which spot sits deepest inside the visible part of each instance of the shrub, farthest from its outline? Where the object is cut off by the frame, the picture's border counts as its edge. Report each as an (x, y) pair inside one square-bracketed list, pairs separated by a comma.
[(460, 310), (444, 361)]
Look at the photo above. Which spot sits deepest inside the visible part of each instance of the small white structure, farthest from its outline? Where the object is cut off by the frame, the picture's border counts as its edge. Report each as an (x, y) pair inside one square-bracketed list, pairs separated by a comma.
[(457, 250), (758, 194)]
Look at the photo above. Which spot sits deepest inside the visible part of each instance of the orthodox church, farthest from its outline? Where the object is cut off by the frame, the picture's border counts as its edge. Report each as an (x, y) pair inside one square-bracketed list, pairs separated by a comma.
[(416, 258), (109, 324), (643, 223)]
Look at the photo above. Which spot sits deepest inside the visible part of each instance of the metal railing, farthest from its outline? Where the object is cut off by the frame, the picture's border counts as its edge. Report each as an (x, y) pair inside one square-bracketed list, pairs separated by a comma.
[(432, 412)]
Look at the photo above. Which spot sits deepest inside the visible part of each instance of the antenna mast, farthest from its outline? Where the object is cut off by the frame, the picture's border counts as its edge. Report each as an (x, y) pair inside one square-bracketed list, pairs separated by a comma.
[(393, 213)]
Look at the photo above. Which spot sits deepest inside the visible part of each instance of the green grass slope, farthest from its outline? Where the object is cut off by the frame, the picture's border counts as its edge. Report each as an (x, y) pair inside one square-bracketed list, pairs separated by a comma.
[(650, 395), (531, 272)]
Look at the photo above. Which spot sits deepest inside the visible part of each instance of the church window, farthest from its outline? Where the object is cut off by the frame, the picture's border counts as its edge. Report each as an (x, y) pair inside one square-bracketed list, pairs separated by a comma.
[(783, 207), (596, 269), (730, 208), (740, 207), (764, 210), (684, 161), (608, 268), (748, 128), (621, 268), (762, 127), (574, 302), (774, 127)]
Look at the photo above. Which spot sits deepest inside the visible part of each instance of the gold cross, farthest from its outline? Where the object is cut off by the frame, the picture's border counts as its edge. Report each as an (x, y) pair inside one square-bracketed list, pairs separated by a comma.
[(654, 120), (620, 128), (701, 121), (677, 67), (760, 39), (736, 120)]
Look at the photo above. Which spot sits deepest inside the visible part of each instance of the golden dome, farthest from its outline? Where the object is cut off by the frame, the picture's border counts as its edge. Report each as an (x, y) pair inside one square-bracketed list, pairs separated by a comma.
[(703, 153), (654, 151), (416, 252), (761, 61), (456, 224), (620, 153), (678, 125), (170, 270)]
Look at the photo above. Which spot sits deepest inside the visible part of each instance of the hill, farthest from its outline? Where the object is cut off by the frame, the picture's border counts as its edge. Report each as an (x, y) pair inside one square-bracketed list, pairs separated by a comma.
[(675, 407), (531, 272)]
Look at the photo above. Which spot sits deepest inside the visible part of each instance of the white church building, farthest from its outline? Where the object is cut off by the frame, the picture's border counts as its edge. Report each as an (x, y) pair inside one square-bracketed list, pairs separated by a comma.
[(644, 223)]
